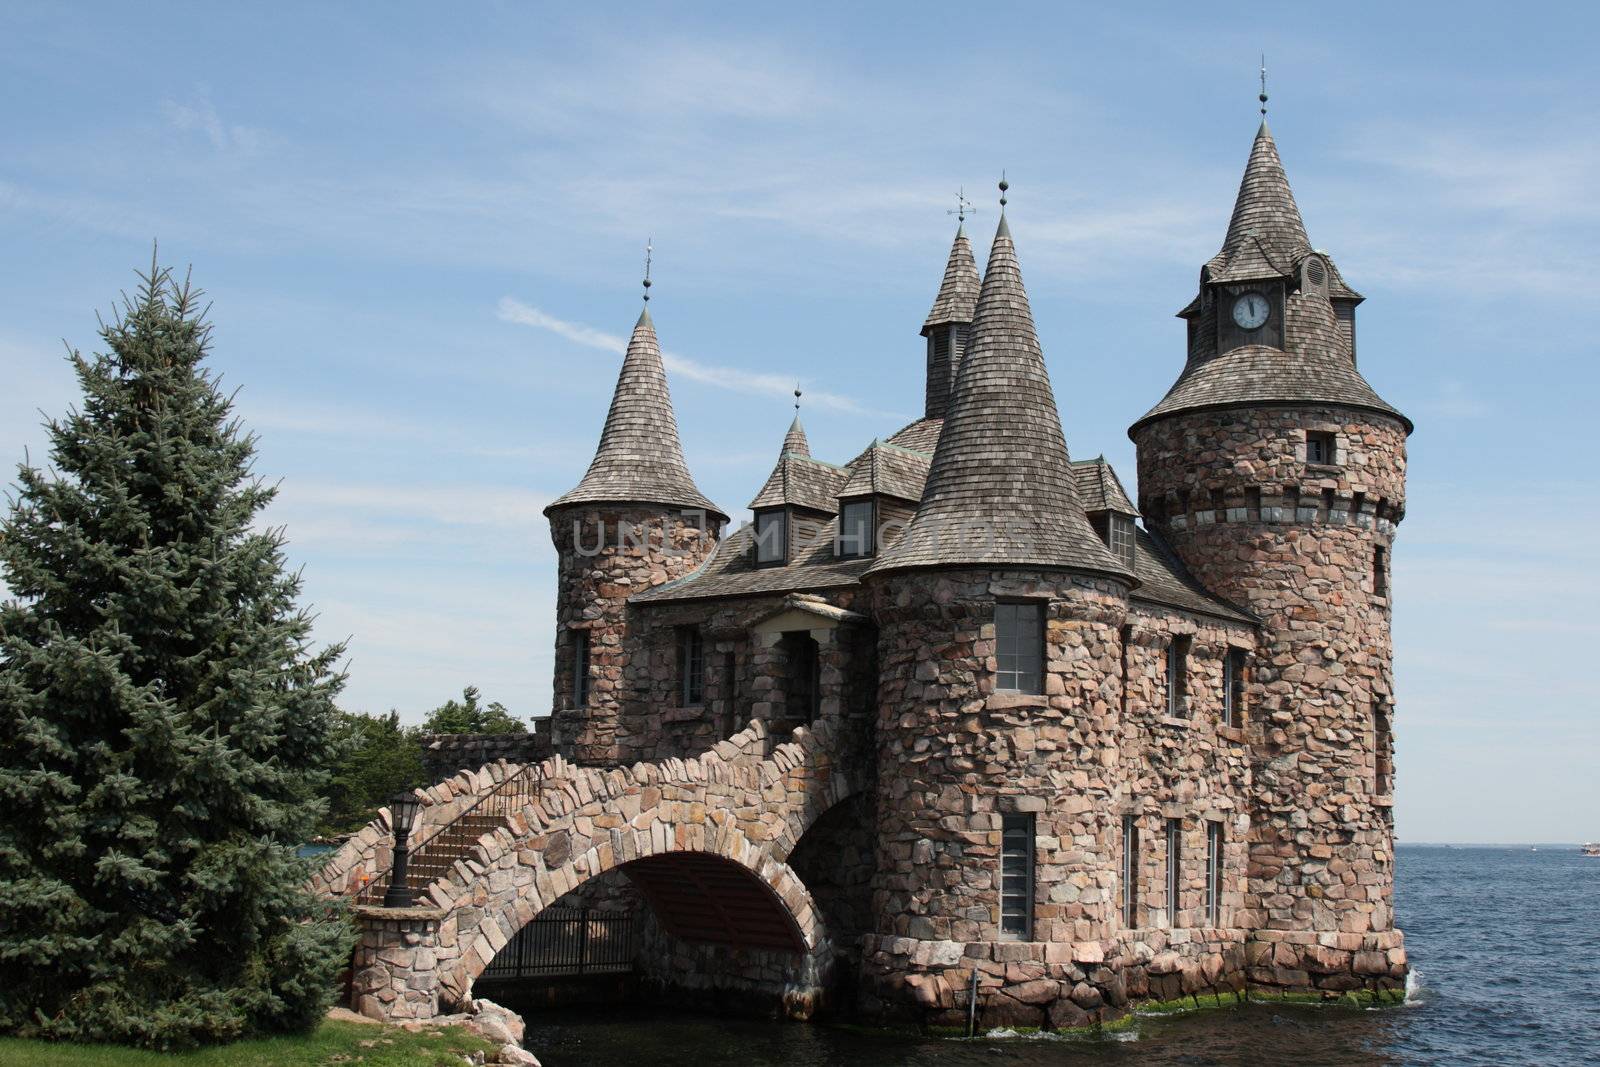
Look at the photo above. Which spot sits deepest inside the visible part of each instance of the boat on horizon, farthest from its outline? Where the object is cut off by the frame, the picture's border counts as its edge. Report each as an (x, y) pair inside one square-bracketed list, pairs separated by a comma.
[(1592, 848)]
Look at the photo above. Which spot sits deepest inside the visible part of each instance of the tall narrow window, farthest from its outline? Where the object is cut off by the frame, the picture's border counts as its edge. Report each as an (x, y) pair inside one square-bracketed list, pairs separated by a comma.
[(772, 537), (1130, 872), (1383, 750), (1213, 874), (1016, 877), (580, 668), (1233, 688), (1174, 869), (1019, 647), (1178, 676), (1380, 571), (1122, 538), (1125, 643), (691, 666), (855, 529), (730, 695)]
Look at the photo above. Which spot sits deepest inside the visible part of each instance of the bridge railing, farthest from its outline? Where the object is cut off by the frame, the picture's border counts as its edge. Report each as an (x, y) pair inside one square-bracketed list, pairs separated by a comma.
[(455, 838)]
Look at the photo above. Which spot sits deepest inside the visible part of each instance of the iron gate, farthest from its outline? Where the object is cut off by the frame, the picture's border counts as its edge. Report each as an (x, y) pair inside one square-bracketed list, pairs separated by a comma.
[(567, 941)]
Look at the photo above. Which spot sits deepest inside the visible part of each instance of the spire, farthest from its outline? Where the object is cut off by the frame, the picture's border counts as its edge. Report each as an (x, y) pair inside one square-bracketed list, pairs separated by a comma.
[(794, 442), (1001, 491), (1265, 209), (640, 460), (958, 293)]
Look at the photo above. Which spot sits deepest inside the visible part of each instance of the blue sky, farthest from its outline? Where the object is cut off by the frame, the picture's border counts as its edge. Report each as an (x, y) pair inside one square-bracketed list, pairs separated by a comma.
[(422, 225)]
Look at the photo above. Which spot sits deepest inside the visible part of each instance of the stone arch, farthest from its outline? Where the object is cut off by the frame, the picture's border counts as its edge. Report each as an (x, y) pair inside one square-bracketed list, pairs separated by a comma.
[(731, 815), (776, 908)]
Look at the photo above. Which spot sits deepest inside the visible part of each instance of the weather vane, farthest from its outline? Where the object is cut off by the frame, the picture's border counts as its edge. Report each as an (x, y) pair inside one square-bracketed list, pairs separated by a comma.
[(963, 206), (1004, 185), (647, 250), (797, 397), (1263, 85)]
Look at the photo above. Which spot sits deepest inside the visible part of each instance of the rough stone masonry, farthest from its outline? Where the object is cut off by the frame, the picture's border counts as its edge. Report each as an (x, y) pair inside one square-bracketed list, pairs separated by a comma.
[(957, 714)]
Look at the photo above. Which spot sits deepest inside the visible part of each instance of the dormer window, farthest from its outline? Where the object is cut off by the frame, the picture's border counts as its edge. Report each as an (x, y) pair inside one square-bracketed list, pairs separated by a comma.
[(772, 538), (856, 521), (1122, 538)]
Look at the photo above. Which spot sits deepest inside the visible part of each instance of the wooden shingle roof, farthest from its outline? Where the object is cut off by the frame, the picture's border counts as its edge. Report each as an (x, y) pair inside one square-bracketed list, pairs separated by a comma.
[(1099, 488), (1000, 491), (640, 459), (1267, 239), (888, 470), (958, 293), (797, 480)]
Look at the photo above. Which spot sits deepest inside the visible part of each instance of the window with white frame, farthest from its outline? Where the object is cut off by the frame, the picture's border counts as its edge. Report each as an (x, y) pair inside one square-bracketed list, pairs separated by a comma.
[(1019, 647), (1213, 874), (772, 537), (1178, 676), (855, 529), (1016, 877), (1130, 872)]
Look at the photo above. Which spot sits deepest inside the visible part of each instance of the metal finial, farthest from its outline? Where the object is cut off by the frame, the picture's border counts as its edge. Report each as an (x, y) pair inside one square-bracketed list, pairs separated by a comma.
[(1263, 85), (963, 206), (1004, 185), (797, 398), (647, 250)]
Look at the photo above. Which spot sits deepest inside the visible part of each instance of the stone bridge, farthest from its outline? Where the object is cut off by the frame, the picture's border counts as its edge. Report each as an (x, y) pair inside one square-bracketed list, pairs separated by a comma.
[(706, 840)]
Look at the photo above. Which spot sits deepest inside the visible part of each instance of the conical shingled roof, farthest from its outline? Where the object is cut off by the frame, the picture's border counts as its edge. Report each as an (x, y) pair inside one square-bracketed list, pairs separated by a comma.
[(794, 442), (1000, 492), (1266, 235), (958, 293), (640, 459), (1267, 240)]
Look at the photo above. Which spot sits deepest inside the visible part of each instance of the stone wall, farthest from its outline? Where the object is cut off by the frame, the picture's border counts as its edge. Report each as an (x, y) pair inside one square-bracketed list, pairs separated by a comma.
[(1296, 544), (599, 566), (445, 755), (654, 723)]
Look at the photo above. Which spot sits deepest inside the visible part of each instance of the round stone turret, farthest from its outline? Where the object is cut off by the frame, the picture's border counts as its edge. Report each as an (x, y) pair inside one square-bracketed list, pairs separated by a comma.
[(1278, 476), (999, 613), (636, 520)]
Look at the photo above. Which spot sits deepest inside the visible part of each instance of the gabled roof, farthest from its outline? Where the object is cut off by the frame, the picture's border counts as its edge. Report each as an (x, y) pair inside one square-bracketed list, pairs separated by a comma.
[(958, 293), (1099, 488), (1001, 466), (888, 470), (640, 459), (732, 572), (800, 481)]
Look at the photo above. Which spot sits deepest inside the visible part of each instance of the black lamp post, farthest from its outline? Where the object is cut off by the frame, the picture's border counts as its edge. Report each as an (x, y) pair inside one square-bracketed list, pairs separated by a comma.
[(403, 815)]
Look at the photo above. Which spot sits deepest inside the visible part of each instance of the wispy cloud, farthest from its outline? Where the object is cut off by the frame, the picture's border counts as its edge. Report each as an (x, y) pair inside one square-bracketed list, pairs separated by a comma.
[(730, 378), (199, 115)]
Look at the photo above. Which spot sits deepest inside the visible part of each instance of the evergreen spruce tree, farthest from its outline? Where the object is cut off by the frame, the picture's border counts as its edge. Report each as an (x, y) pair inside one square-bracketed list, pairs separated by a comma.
[(164, 720)]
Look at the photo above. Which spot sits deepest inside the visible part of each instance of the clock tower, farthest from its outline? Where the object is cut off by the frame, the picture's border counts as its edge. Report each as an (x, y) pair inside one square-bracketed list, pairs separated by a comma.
[(1277, 474)]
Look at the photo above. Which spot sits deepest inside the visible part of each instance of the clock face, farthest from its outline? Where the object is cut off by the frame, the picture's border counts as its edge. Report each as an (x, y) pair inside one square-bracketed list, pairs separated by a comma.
[(1250, 311)]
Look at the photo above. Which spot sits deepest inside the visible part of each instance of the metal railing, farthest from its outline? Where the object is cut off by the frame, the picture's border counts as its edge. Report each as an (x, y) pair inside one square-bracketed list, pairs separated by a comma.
[(567, 942), (435, 854)]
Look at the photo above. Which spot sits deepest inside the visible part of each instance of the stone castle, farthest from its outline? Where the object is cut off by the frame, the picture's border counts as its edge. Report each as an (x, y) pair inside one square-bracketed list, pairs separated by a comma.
[(1054, 752)]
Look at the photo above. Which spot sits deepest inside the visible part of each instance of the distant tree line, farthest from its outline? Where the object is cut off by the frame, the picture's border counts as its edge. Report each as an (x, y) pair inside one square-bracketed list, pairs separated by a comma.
[(377, 757)]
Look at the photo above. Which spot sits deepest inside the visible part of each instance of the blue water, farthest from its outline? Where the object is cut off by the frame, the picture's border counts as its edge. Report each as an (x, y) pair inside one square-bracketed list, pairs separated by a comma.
[(1504, 943)]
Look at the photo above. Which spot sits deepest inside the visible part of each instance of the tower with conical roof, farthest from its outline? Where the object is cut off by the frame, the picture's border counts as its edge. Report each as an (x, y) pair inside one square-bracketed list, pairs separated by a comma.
[(998, 612), (635, 521), (949, 323), (1277, 474)]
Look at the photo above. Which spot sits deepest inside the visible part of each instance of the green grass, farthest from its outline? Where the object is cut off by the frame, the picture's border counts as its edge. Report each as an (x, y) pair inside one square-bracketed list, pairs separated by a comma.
[(332, 1043)]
